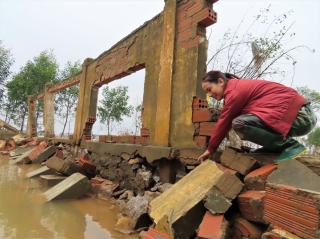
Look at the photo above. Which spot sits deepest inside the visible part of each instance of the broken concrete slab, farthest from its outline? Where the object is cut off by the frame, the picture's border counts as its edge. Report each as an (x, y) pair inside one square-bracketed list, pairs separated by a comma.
[(243, 163), (312, 163), (174, 203), (151, 153), (293, 173), (256, 180), (72, 187), (19, 151), (44, 155), (22, 159), (40, 171), (64, 166), (251, 205), (213, 227), (50, 180)]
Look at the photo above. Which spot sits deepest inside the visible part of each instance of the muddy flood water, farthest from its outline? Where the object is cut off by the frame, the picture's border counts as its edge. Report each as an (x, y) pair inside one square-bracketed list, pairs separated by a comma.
[(22, 216)]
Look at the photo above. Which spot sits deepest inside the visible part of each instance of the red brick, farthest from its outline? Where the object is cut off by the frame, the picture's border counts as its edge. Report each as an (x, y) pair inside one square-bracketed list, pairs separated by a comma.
[(59, 154), (182, 36), (144, 132), (185, 6), (251, 204), (125, 139), (140, 140), (199, 103), (70, 136), (88, 125), (86, 137), (91, 120), (245, 229), (212, 226), (194, 9), (206, 17), (256, 180), (201, 115), (206, 128), (201, 141), (195, 41), (295, 210), (85, 164), (185, 24), (102, 138), (97, 180)]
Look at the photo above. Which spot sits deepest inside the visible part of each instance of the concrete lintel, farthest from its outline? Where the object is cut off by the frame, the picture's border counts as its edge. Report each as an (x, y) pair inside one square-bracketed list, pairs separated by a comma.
[(40, 171), (151, 153)]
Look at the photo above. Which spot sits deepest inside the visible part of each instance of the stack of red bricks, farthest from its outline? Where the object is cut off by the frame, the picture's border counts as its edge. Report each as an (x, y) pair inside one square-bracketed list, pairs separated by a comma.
[(84, 163), (87, 129), (265, 209), (204, 121)]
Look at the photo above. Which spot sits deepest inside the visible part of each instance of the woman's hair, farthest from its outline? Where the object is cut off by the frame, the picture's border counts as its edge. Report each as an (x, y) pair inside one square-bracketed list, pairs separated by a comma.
[(213, 76)]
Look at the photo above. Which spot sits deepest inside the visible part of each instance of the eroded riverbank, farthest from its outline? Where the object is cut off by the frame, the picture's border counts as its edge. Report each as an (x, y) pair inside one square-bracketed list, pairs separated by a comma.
[(22, 216)]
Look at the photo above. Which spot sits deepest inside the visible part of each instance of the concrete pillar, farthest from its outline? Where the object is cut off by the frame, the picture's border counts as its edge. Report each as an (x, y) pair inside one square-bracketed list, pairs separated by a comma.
[(32, 122), (83, 102), (48, 111), (165, 77)]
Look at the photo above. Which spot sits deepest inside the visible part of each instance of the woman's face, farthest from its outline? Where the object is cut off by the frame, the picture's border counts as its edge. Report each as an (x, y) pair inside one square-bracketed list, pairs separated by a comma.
[(214, 90)]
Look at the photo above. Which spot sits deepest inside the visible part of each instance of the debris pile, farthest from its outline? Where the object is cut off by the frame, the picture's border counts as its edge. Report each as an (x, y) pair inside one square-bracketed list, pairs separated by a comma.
[(234, 195), (237, 197)]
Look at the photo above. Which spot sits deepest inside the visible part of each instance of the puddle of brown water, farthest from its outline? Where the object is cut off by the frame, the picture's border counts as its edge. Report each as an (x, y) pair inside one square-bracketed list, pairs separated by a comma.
[(23, 215)]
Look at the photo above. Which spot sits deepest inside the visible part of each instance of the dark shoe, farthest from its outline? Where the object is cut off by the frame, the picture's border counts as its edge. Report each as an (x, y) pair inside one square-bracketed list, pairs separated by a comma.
[(291, 152)]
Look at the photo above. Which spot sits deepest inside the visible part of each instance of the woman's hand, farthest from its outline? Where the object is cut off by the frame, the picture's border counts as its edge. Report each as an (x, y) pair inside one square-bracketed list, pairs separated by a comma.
[(204, 156)]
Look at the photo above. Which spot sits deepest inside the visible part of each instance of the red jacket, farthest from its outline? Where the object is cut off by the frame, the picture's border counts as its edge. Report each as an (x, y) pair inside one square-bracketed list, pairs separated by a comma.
[(275, 104)]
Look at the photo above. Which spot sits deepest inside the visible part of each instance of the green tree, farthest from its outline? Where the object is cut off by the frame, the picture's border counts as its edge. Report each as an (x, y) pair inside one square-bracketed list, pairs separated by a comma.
[(30, 80), (6, 62), (114, 105), (314, 137), (311, 95), (65, 99)]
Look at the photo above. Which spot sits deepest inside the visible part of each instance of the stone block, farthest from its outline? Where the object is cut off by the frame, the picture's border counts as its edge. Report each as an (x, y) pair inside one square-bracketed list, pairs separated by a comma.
[(22, 159), (256, 180), (50, 180), (293, 173), (245, 229), (187, 211), (40, 171), (216, 202), (251, 205), (64, 166), (295, 210), (72, 187), (213, 227), (243, 163), (44, 155)]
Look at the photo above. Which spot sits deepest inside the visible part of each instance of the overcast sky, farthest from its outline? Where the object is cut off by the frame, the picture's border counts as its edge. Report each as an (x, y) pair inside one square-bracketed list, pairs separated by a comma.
[(80, 29)]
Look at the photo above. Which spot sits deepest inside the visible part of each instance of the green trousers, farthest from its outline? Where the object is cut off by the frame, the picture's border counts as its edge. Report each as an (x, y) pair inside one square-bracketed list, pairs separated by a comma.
[(251, 128)]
